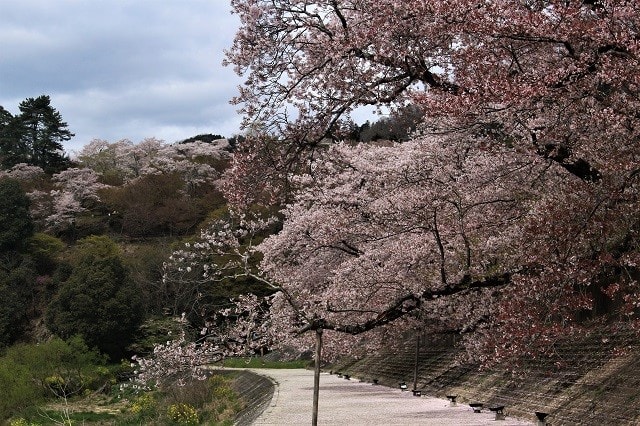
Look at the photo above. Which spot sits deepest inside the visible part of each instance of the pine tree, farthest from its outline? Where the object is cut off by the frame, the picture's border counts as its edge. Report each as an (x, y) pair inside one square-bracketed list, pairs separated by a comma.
[(43, 131), (34, 136), (11, 150)]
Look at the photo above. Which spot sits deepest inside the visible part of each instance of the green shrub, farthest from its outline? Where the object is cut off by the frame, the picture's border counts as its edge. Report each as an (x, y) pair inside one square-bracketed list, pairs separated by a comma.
[(183, 414), (144, 406), (18, 391), (30, 373)]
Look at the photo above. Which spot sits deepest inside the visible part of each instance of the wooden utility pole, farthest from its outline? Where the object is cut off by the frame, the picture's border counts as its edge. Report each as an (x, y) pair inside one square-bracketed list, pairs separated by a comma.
[(316, 377), (415, 363)]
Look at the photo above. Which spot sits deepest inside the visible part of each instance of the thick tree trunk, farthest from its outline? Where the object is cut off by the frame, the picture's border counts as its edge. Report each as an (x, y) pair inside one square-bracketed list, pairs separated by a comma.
[(316, 377)]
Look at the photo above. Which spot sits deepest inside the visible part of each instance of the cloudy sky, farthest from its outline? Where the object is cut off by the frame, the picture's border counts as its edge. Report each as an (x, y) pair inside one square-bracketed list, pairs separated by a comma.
[(119, 69)]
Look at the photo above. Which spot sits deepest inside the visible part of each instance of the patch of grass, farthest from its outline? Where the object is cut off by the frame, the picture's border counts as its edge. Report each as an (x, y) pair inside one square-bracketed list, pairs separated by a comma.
[(254, 362), (49, 417), (82, 417), (212, 401)]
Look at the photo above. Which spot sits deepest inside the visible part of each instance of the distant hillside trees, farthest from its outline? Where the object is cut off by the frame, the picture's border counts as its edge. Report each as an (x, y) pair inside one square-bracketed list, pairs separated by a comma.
[(157, 189), (142, 190), (18, 272), (398, 127), (120, 162), (99, 301), (15, 222), (207, 137), (34, 136), (147, 193)]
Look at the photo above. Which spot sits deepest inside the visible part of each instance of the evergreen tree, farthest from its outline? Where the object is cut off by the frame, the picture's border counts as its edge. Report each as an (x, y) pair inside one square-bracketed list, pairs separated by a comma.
[(43, 131), (99, 301), (11, 149), (34, 136), (15, 223), (5, 117), (17, 271)]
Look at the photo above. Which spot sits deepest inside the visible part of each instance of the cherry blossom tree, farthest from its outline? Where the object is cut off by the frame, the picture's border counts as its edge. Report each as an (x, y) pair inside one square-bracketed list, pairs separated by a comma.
[(512, 213), (557, 77), (557, 80), (74, 192), (432, 234), (339, 269), (197, 162), (24, 172)]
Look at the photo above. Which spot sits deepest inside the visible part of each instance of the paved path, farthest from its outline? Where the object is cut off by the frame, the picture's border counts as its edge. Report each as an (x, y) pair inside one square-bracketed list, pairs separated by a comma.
[(350, 402)]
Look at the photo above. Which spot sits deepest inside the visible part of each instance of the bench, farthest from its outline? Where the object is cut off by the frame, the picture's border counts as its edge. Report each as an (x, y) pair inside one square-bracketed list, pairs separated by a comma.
[(476, 406), (417, 392), (452, 398), (403, 386), (499, 410)]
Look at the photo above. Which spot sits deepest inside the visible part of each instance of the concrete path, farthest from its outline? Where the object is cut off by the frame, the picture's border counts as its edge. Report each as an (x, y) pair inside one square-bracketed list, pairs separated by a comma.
[(350, 402)]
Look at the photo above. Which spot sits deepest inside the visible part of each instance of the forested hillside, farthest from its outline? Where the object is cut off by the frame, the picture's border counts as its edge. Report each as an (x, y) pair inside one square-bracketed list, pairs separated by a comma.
[(86, 246), (93, 235), (83, 242)]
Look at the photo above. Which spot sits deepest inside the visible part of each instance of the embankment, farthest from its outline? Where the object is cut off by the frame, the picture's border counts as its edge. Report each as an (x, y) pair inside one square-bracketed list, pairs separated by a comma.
[(586, 381), (255, 390)]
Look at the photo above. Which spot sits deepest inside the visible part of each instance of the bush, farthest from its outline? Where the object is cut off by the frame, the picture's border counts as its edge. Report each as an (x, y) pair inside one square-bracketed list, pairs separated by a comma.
[(210, 401), (18, 391), (29, 374), (183, 414), (143, 408)]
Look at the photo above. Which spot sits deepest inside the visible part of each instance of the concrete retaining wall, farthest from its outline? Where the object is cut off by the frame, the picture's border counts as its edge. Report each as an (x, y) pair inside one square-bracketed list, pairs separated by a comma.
[(255, 391), (583, 383)]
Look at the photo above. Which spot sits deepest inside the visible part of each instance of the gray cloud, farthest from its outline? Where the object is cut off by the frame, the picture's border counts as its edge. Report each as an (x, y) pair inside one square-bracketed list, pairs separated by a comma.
[(122, 68)]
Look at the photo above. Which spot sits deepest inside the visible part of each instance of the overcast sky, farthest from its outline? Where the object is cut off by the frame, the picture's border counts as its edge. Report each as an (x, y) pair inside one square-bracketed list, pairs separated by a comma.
[(119, 69)]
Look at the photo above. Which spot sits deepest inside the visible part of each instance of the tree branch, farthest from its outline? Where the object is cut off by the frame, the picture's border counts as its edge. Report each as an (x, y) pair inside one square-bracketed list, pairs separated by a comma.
[(409, 303)]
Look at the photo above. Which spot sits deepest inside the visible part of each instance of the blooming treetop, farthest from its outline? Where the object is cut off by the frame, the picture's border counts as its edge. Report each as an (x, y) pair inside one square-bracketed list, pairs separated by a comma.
[(512, 212), (23, 172), (560, 78), (152, 156), (430, 233)]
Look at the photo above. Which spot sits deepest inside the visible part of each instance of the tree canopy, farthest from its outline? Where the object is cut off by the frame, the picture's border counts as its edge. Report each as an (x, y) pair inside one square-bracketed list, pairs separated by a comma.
[(558, 78), (99, 301), (15, 221), (34, 136), (515, 209)]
